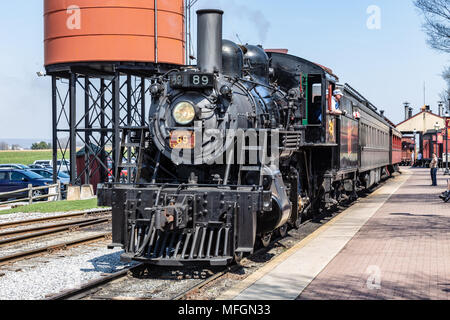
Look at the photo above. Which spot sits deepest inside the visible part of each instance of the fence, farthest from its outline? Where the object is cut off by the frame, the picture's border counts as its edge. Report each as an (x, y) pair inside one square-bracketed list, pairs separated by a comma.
[(55, 193)]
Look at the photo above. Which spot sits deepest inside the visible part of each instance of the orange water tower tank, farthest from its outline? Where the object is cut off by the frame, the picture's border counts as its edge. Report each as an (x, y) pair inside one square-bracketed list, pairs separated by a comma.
[(114, 31)]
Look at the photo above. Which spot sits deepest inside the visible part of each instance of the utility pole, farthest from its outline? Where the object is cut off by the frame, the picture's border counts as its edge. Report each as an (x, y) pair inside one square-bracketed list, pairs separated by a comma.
[(424, 89), (447, 128)]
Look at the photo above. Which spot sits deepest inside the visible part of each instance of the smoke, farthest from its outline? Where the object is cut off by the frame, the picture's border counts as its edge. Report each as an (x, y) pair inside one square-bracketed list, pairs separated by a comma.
[(240, 18)]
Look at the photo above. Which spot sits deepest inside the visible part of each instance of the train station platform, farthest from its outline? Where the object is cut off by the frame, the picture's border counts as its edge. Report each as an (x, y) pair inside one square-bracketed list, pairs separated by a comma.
[(393, 244)]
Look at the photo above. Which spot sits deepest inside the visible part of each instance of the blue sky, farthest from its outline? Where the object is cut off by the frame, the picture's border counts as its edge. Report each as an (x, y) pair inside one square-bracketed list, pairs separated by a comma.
[(388, 66)]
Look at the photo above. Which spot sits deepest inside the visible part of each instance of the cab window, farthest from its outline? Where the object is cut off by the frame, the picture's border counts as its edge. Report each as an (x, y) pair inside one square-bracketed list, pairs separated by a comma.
[(315, 103)]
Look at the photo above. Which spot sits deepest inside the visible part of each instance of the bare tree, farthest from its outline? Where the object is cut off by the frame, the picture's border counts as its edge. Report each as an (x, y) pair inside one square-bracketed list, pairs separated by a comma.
[(445, 94), (437, 22)]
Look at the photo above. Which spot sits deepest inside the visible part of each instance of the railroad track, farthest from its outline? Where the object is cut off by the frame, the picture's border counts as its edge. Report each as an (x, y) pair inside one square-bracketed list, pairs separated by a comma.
[(20, 223), (52, 248), (94, 286), (14, 236), (90, 288)]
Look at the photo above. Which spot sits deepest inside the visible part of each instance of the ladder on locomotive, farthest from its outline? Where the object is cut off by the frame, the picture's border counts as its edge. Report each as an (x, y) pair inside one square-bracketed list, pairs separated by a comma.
[(260, 159), (132, 138)]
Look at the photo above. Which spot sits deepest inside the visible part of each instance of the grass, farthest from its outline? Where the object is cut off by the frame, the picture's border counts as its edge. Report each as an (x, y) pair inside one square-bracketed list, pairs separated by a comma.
[(28, 157), (55, 206)]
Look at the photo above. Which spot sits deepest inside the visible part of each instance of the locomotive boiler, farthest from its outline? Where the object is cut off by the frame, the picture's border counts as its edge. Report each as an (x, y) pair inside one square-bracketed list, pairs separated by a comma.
[(240, 147)]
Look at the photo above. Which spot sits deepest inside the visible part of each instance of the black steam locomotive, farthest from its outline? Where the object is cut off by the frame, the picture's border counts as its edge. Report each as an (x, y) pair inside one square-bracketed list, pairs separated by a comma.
[(240, 147)]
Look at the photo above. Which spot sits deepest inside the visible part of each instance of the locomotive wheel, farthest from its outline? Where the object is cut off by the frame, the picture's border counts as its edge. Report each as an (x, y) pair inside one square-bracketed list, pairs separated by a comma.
[(282, 231), (265, 239)]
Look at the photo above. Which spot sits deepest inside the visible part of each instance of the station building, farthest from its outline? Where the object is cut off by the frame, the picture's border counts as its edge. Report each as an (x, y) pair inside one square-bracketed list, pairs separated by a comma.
[(427, 130)]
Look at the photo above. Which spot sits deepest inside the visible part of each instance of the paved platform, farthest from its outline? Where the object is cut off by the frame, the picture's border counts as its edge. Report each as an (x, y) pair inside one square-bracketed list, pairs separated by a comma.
[(394, 244)]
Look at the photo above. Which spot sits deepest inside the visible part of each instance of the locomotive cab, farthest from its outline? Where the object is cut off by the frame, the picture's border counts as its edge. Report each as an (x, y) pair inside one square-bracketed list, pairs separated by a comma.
[(316, 84)]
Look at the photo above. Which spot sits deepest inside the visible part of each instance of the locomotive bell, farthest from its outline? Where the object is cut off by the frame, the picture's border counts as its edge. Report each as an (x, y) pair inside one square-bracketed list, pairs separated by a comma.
[(209, 40)]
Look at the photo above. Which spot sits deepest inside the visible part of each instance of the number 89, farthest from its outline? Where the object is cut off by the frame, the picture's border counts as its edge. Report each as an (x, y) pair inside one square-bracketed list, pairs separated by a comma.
[(197, 79)]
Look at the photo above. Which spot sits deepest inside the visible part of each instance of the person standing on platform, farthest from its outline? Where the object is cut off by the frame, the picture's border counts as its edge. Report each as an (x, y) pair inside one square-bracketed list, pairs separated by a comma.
[(419, 159), (433, 171)]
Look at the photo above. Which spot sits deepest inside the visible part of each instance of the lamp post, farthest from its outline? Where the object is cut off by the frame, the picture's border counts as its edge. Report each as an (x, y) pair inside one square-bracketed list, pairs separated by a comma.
[(446, 117), (436, 145), (414, 154)]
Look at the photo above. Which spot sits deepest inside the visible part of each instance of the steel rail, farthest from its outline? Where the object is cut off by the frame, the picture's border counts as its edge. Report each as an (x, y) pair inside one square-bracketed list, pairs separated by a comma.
[(43, 219), (47, 230), (45, 227), (218, 275), (87, 288)]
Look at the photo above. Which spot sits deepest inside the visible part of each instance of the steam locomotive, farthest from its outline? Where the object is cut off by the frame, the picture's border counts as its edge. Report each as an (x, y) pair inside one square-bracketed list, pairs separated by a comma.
[(239, 148)]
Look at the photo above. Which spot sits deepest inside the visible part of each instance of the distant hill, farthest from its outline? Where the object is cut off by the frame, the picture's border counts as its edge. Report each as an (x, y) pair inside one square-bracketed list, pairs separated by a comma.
[(24, 143)]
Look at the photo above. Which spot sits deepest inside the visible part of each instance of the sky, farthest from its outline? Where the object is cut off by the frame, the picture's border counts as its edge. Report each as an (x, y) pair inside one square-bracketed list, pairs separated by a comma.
[(388, 63)]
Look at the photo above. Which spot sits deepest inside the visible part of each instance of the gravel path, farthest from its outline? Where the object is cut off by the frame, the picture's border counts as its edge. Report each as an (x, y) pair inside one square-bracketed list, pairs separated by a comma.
[(38, 278)]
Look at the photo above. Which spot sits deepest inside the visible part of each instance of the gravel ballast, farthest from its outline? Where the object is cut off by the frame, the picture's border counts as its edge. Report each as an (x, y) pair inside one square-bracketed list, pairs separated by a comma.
[(39, 278)]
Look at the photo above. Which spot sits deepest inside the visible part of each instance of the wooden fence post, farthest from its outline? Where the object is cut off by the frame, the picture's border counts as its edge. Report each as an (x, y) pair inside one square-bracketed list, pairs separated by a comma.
[(30, 194), (59, 191)]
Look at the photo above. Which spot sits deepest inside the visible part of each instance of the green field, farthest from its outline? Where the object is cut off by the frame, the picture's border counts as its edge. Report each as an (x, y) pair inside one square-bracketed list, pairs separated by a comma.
[(28, 157), (55, 206)]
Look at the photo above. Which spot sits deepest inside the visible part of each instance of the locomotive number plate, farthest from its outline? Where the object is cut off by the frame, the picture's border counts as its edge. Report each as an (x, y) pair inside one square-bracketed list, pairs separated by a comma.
[(182, 139)]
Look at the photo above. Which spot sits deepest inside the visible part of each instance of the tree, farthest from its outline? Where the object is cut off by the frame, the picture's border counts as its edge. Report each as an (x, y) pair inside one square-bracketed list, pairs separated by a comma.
[(41, 146), (4, 145), (437, 22), (445, 94)]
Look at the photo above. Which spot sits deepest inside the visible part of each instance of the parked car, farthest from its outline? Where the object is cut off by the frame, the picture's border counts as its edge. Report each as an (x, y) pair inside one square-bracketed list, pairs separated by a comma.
[(62, 165), (47, 173), (43, 162), (59, 163), (36, 166), (16, 179), (14, 165)]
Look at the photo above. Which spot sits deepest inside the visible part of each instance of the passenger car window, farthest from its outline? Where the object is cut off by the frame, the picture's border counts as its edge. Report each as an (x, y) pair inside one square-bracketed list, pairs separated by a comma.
[(16, 176), (4, 175), (45, 174)]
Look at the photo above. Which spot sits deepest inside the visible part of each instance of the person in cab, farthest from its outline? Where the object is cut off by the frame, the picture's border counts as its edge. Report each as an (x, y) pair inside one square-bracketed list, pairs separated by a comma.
[(336, 101)]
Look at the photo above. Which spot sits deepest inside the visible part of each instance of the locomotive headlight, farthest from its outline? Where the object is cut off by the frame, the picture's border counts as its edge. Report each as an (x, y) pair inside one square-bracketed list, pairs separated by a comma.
[(183, 113)]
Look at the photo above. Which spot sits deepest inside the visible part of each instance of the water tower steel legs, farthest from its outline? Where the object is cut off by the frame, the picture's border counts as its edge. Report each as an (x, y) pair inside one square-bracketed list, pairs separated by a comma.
[(109, 105)]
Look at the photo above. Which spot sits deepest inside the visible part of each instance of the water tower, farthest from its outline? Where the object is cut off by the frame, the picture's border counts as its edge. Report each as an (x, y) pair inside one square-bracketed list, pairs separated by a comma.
[(100, 54)]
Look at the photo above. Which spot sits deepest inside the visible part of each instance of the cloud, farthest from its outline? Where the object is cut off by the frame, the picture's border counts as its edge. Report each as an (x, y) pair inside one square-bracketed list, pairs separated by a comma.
[(242, 18)]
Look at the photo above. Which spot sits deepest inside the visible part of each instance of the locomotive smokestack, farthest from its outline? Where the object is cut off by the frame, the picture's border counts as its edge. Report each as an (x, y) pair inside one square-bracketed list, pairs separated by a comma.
[(209, 40)]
